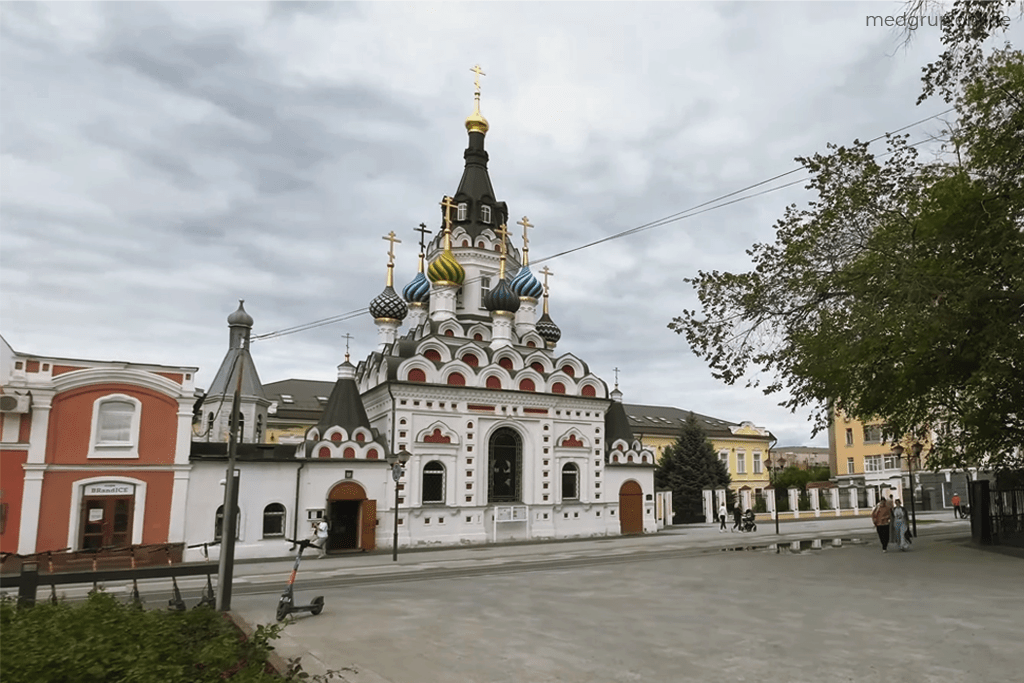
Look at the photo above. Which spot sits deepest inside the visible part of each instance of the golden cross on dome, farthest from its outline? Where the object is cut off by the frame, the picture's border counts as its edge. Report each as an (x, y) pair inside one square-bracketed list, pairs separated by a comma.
[(390, 237), (545, 271), (479, 72), (503, 234), (448, 203), (525, 222), (347, 337)]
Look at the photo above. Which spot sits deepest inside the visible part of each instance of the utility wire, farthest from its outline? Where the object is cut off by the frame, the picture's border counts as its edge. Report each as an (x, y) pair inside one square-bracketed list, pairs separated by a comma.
[(704, 207)]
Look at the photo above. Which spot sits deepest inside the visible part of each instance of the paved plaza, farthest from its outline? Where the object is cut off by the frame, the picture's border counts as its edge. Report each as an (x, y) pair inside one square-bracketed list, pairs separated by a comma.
[(676, 607)]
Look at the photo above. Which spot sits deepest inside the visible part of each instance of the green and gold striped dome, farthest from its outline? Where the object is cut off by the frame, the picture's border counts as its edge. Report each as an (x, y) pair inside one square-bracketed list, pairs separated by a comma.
[(446, 270)]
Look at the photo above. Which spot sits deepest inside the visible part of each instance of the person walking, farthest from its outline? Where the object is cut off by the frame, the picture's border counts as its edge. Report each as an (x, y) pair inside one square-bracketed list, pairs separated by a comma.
[(900, 527), (721, 517), (881, 515), (321, 536), (737, 519), (957, 514)]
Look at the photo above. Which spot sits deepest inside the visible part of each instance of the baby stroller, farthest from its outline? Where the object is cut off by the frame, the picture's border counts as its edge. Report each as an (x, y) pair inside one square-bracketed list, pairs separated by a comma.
[(748, 521)]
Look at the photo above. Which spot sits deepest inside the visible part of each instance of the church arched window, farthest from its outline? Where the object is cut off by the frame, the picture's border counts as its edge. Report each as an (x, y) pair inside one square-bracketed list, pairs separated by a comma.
[(273, 520), (433, 482), (485, 214), (259, 429), (570, 482), (462, 211), (209, 424), (219, 522), (505, 467)]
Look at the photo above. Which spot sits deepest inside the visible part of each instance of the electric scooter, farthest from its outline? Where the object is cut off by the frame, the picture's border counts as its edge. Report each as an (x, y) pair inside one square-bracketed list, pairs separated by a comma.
[(286, 605), (209, 598)]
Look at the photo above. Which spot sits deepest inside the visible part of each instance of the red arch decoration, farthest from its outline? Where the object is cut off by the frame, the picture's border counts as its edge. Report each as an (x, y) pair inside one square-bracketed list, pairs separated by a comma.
[(572, 442), (527, 385), (456, 379), (557, 388), (432, 354), (494, 382), (437, 437), (336, 436), (349, 453), (360, 437), (536, 365), (417, 375), (470, 359), (371, 454), (347, 490), (324, 452), (588, 390), (568, 369), (505, 363)]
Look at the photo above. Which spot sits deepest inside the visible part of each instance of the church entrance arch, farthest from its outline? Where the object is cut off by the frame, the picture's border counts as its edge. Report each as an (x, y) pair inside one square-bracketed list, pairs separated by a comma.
[(505, 466), (631, 508), (352, 518)]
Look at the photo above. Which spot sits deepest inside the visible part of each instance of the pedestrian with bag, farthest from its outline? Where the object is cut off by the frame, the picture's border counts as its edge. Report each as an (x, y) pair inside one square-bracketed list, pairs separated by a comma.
[(881, 515), (321, 537)]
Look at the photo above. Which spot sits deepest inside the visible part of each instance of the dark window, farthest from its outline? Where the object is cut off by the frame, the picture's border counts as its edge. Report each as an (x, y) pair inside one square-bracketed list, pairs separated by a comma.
[(433, 482), (259, 429), (209, 424), (273, 520), (220, 522), (506, 467), (485, 289), (570, 482)]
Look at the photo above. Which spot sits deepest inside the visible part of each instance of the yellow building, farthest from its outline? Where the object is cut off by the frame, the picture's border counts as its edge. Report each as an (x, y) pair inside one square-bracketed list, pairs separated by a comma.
[(743, 447)]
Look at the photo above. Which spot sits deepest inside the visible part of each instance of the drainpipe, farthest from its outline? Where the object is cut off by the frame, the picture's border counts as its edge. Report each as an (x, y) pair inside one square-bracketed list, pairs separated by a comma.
[(295, 525)]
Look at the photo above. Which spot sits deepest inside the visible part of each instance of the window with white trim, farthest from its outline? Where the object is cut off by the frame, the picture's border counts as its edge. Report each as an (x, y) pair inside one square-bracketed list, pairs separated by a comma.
[(273, 520), (741, 462), (570, 481), (485, 214), (485, 289), (115, 427), (724, 457), (891, 462), (758, 468), (219, 522), (433, 482), (849, 436), (873, 463), (850, 468), (463, 211)]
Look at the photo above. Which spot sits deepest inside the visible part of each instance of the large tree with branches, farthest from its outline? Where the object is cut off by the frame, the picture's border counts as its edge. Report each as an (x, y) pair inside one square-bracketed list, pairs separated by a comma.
[(899, 291)]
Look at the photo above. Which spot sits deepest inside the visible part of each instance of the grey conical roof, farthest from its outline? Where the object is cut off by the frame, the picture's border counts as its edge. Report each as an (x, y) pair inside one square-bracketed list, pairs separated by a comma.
[(616, 425), (237, 360), (344, 406)]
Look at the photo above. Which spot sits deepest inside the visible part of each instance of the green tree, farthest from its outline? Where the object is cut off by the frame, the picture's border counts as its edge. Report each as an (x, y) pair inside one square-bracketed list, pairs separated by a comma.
[(899, 291), (687, 467)]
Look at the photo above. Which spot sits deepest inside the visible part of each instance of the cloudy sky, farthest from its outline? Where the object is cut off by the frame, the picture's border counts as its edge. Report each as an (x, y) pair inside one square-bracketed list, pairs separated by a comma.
[(161, 161)]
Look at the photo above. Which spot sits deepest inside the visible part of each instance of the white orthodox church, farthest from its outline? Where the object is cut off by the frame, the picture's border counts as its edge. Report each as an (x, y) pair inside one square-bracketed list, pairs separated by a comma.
[(510, 439)]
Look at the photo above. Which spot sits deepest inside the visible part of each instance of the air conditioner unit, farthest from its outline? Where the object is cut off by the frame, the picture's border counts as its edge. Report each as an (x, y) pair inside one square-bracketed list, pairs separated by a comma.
[(15, 403)]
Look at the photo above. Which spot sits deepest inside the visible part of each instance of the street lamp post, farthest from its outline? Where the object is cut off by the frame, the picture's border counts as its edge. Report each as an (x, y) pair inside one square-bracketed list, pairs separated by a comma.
[(915, 453), (397, 462)]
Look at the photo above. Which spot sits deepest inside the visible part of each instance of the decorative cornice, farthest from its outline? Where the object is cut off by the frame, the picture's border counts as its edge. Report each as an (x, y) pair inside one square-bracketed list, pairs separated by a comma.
[(141, 378)]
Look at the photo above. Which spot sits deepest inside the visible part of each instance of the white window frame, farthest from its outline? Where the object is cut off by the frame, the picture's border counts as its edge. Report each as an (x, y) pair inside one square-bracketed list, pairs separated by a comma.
[(758, 465), (723, 455), (851, 467), (125, 449), (741, 462), (849, 436), (462, 211), (872, 463), (444, 482), (485, 214), (485, 289), (576, 475), (283, 514), (890, 462)]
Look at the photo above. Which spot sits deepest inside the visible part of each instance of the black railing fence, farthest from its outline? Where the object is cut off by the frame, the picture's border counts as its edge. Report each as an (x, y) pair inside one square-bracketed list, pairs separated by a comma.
[(997, 515)]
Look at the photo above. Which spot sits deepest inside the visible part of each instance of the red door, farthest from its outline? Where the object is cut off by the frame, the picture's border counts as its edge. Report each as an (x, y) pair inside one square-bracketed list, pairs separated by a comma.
[(631, 508), (106, 521), (368, 539)]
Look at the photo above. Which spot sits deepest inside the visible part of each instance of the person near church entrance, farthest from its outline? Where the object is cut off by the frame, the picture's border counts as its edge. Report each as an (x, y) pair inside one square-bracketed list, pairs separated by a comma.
[(880, 517), (721, 517), (737, 518), (321, 537), (957, 513)]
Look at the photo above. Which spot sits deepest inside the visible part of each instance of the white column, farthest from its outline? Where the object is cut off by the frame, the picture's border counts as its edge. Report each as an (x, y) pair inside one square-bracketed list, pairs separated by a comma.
[(183, 438), (179, 500), (40, 428), (834, 493), (815, 499), (854, 499), (387, 331), (31, 498), (501, 329), (526, 316), (769, 500), (417, 314), (871, 497), (442, 302), (709, 505), (794, 502)]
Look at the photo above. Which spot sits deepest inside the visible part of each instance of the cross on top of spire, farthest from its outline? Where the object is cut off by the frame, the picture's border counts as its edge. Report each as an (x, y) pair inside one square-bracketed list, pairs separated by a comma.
[(422, 230), (616, 378), (448, 203), (347, 337), (476, 82), (390, 237)]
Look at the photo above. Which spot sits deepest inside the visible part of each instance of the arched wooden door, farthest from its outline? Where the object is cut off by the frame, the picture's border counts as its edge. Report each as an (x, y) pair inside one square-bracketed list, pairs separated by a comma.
[(352, 518), (631, 508)]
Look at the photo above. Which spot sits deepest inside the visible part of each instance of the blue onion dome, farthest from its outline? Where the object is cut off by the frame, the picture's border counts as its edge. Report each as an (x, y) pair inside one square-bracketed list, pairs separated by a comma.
[(526, 285), (417, 291), (446, 270), (240, 317), (502, 298), (547, 329), (388, 305)]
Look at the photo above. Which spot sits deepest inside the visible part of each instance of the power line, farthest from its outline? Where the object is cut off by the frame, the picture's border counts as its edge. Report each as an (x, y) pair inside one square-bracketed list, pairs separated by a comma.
[(698, 209)]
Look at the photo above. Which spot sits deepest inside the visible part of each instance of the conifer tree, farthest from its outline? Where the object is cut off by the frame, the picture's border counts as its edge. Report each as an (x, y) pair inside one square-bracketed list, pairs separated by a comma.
[(687, 467)]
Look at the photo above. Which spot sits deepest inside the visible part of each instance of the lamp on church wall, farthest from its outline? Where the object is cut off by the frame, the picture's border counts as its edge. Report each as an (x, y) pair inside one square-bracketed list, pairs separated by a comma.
[(397, 462)]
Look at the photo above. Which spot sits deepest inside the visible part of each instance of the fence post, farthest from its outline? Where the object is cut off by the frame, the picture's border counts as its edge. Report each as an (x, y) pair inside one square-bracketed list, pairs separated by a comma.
[(981, 520), (29, 584)]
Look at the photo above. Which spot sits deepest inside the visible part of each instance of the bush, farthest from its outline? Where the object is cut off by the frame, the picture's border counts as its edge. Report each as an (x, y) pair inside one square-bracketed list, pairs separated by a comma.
[(105, 641)]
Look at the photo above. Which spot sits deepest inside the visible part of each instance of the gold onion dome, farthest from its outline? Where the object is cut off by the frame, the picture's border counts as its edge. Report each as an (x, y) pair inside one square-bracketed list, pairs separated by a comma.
[(446, 270), (476, 123)]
